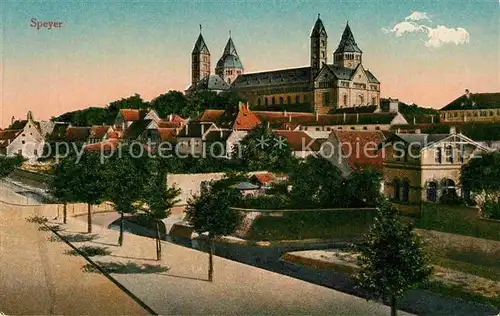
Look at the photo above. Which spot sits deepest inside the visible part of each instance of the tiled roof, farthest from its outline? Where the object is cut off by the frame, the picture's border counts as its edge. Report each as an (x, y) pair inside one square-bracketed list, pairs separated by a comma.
[(176, 119), (347, 43), (18, 124), (168, 124), (357, 109), (77, 133), (274, 77), (371, 77), (299, 141), (246, 119), (342, 73), (264, 178), (212, 82), (211, 115), (133, 114), (108, 145), (475, 101), (220, 135), (58, 132), (167, 134), (99, 131), (230, 58), (360, 148), (46, 127)]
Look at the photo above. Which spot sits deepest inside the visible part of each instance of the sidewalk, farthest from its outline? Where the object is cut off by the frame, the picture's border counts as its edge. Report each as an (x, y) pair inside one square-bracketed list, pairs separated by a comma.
[(177, 284), (38, 278)]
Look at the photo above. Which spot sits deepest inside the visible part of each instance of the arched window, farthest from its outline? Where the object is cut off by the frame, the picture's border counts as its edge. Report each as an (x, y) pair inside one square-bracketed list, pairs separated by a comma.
[(297, 99), (281, 100), (266, 102), (345, 99), (406, 191), (397, 189), (258, 101), (432, 191), (273, 101), (288, 100), (360, 99)]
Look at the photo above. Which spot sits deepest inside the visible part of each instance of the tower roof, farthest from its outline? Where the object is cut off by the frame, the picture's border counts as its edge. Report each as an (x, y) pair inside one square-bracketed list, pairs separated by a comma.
[(347, 43), (230, 49), (200, 46), (318, 28), (230, 58)]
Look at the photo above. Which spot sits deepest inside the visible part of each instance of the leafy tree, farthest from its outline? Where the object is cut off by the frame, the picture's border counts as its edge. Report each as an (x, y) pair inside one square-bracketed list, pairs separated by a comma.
[(63, 183), (89, 185), (362, 188), (211, 212), (86, 117), (263, 150), (392, 259), (127, 175), (481, 176), (315, 183), (8, 164), (160, 200), (173, 102)]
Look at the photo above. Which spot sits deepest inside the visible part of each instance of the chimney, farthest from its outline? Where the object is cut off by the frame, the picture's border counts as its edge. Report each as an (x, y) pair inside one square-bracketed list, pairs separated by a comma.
[(317, 117), (453, 130), (203, 128), (289, 118), (344, 117), (432, 119), (357, 117), (12, 120)]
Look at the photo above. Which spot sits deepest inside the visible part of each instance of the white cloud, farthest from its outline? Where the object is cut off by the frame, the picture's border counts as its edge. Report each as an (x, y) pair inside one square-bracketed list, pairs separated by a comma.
[(417, 16), (436, 36), (444, 35)]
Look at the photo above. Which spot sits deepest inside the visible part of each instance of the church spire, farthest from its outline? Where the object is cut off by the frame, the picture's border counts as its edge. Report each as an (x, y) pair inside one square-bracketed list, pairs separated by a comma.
[(200, 60), (347, 42), (318, 29), (230, 49), (200, 47)]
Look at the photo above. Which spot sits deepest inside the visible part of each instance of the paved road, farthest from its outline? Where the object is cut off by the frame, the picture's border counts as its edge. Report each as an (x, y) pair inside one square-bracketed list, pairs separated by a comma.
[(38, 278), (416, 301)]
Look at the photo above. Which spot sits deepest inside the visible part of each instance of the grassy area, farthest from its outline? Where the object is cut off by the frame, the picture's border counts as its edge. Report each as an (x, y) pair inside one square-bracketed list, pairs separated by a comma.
[(484, 271), (458, 291), (308, 225), (457, 220)]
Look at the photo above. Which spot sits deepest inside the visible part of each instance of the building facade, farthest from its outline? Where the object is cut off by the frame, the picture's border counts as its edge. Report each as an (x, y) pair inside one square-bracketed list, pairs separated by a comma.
[(469, 107)]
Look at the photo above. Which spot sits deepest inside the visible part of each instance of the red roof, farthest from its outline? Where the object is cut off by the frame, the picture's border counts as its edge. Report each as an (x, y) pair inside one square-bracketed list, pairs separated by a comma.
[(177, 119), (264, 178), (211, 115), (167, 134), (98, 131), (110, 144), (246, 119), (360, 147), (77, 133), (169, 124), (299, 140), (130, 114)]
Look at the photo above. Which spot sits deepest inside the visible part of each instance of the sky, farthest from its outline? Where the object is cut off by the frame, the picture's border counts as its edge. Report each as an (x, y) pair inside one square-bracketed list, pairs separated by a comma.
[(423, 52)]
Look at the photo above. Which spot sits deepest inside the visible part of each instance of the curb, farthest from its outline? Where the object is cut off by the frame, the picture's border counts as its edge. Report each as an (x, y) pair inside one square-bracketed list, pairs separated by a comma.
[(105, 273)]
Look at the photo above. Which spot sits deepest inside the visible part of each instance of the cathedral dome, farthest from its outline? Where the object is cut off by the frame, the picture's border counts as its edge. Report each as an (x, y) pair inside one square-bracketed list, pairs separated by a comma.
[(229, 61)]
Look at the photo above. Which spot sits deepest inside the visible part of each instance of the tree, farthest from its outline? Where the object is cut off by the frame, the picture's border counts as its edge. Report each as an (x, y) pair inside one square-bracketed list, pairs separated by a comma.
[(211, 212), (8, 164), (173, 102), (160, 200), (263, 150), (63, 183), (315, 182), (481, 176), (89, 185), (392, 259), (127, 174), (362, 188)]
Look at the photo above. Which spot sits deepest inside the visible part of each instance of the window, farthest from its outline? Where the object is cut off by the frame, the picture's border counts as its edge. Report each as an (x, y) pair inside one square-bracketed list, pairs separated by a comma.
[(273, 101), (297, 99), (406, 191), (305, 98), (374, 101), (449, 154), (265, 101), (318, 129), (23, 142), (438, 155), (397, 189), (345, 99), (289, 100), (281, 100), (258, 101), (326, 98), (361, 99), (432, 192)]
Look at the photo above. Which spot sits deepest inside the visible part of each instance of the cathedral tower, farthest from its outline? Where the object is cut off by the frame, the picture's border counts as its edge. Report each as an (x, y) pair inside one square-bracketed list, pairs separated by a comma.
[(348, 53), (200, 60), (318, 47), (229, 65)]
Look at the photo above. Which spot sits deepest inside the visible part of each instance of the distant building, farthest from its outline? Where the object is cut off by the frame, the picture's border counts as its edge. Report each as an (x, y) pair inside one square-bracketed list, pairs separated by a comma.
[(472, 107), (426, 167), (23, 137)]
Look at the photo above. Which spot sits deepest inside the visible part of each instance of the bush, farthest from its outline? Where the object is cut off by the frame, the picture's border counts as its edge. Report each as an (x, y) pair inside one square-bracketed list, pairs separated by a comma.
[(451, 198), (266, 202), (491, 210)]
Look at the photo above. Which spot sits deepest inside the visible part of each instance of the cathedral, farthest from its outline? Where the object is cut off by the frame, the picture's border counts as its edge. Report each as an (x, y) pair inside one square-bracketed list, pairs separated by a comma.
[(320, 87)]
